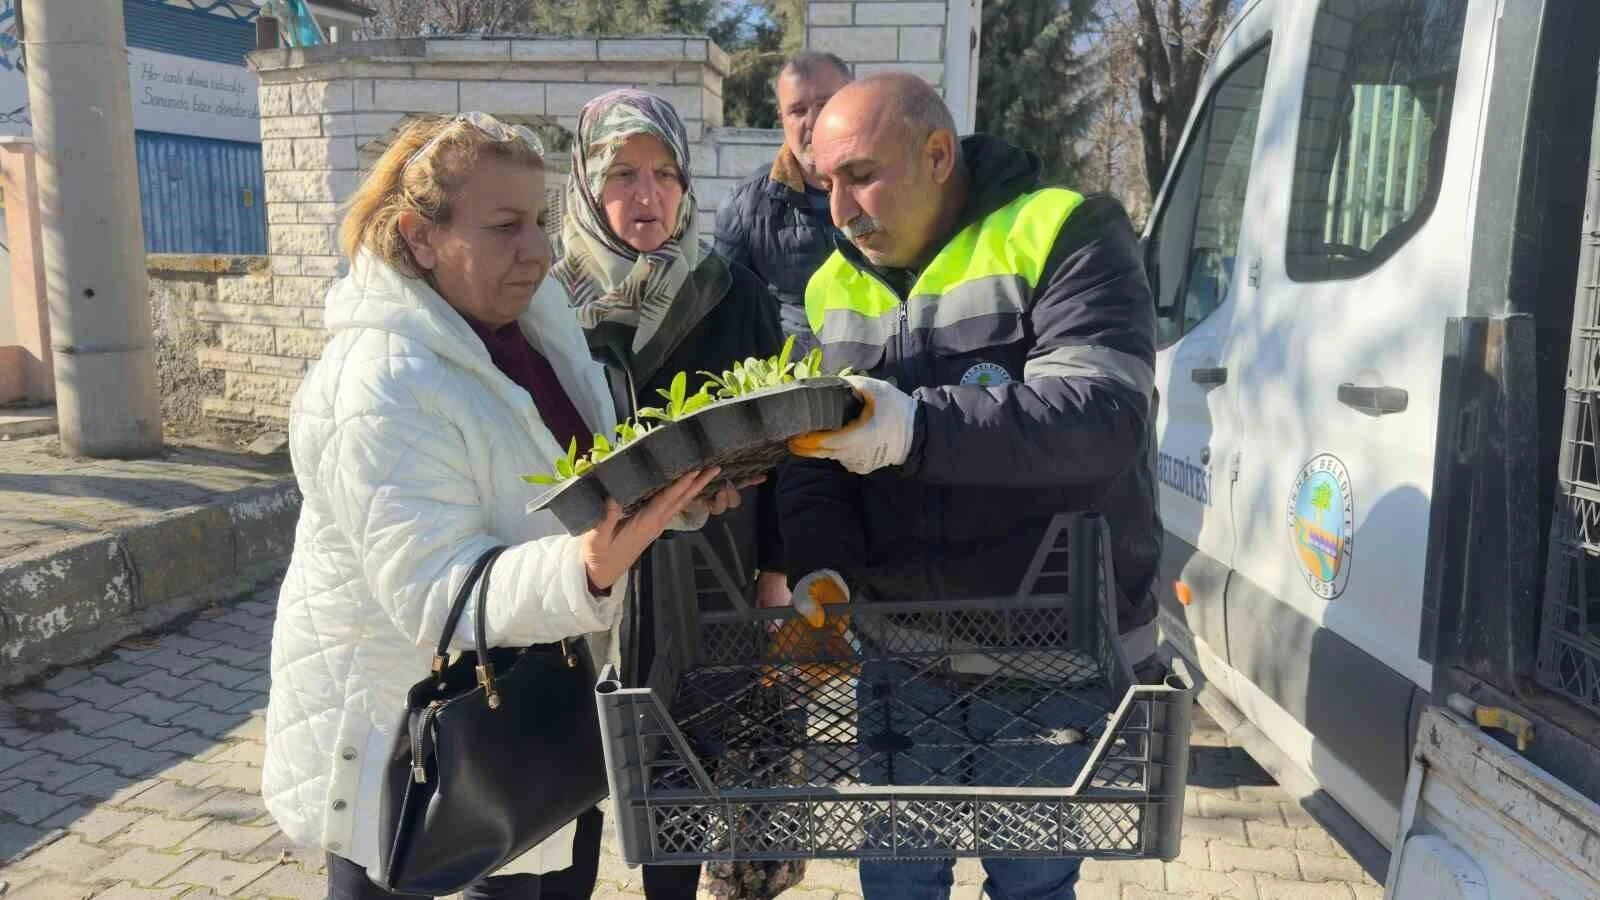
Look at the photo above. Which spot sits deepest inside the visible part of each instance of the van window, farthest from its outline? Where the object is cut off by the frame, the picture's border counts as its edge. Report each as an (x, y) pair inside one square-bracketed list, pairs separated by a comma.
[(1197, 237), (1373, 126)]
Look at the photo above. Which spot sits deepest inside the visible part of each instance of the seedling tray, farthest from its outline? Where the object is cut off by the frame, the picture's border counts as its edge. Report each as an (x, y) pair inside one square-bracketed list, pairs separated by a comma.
[(746, 436), (755, 737)]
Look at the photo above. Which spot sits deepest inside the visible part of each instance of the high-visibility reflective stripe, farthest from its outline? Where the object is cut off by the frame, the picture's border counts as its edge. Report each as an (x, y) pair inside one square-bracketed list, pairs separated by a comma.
[(1089, 360), (1007, 252), (849, 325), (839, 355), (972, 335), (969, 300)]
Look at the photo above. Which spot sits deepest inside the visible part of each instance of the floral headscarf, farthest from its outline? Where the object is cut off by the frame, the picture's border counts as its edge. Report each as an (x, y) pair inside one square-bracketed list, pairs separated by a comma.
[(608, 280)]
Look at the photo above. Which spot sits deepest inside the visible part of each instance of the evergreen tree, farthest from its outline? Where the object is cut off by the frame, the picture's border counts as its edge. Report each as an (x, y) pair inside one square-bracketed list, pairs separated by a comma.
[(1037, 82), (759, 36)]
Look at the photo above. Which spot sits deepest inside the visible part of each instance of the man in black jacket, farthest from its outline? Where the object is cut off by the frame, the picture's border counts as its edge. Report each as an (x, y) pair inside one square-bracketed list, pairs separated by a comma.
[(776, 223), (1007, 332)]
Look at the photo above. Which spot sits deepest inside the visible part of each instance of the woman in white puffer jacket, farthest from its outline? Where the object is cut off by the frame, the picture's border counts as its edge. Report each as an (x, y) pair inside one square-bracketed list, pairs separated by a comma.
[(453, 368)]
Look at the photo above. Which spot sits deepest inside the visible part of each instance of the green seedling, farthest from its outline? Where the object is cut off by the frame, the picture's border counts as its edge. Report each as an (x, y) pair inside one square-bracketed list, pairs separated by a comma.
[(746, 377), (810, 366), (759, 374), (680, 403), (630, 431), (572, 465)]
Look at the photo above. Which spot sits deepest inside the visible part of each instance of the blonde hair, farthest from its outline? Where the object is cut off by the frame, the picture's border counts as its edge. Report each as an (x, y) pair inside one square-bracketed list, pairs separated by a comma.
[(425, 185)]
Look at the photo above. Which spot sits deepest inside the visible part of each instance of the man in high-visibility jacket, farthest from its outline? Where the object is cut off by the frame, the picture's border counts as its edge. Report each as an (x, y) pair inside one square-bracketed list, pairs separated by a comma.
[(1006, 332)]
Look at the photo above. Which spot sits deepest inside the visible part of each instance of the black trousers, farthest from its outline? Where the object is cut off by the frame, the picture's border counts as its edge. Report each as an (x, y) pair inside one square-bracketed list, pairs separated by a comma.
[(677, 882), (348, 881)]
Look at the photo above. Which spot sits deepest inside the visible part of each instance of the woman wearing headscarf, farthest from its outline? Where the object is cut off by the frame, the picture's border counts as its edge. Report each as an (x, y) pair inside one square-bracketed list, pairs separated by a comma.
[(653, 302)]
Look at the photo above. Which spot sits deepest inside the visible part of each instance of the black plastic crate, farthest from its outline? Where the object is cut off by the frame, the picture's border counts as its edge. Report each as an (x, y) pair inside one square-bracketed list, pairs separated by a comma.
[(1569, 629), (758, 737)]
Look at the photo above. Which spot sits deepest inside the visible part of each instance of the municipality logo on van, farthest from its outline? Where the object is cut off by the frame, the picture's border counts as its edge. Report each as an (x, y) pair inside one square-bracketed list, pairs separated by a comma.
[(1322, 525)]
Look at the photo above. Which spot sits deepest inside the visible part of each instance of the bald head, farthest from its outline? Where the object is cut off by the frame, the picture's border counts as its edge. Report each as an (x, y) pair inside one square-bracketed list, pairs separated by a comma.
[(886, 149), (893, 100)]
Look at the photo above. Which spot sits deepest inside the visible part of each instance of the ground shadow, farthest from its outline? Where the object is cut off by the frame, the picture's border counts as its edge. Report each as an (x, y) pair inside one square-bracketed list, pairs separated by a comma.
[(1225, 767)]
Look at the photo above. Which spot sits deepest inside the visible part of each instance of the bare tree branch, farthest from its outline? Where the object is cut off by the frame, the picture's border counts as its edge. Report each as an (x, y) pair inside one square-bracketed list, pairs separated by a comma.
[(1172, 41), (409, 18)]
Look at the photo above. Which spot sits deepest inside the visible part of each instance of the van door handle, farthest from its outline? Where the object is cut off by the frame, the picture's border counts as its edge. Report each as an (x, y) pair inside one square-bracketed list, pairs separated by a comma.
[(1374, 401), (1209, 376)]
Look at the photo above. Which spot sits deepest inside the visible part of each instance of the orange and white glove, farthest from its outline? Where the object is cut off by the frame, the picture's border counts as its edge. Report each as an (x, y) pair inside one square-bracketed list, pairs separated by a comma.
[(812, 647), (879, 437), (813, 591)]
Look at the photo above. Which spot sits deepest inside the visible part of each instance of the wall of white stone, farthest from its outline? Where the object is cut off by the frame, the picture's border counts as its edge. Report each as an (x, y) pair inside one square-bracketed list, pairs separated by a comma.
[(328, 112), (878, 35), (904, 35)]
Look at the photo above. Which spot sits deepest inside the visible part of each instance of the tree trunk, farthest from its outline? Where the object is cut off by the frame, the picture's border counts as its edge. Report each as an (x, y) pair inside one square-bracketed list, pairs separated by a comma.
[(1172, 60)]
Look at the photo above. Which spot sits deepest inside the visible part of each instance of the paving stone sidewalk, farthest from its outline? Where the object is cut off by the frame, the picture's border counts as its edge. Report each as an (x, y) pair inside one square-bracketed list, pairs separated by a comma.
[(46, 497), (137, 776)]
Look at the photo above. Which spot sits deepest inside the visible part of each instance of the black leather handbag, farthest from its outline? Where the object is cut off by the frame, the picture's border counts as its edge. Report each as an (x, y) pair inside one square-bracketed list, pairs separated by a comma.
[(496, 752)]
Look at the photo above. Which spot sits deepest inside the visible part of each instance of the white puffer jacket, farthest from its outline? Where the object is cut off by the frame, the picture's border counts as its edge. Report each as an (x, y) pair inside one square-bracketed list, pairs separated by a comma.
[(408, 445)]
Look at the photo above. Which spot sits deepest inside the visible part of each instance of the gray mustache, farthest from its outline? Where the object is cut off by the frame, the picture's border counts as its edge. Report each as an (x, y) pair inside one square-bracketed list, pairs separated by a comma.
[(859, 227)]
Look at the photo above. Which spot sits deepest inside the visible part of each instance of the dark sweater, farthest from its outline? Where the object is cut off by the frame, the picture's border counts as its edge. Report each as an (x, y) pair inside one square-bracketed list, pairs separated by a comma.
[(512, 354)]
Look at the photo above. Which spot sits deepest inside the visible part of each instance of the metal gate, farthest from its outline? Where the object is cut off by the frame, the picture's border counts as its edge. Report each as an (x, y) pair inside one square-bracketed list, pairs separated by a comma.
[(199, 195)]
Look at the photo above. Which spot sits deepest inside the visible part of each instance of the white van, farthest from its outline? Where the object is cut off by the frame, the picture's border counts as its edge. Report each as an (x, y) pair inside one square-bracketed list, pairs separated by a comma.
[(1376, 463)]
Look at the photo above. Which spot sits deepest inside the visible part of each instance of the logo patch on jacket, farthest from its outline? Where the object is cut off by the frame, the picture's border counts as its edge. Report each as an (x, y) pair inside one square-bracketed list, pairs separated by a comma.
[(986, 374)]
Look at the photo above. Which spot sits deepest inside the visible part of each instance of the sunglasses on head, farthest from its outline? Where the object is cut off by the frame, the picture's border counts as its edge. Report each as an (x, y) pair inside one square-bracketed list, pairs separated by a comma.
[(487, 125)]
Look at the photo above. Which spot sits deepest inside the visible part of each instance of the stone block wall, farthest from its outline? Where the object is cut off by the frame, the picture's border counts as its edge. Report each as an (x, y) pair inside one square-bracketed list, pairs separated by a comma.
[(328, 112), (197, 351), (882, 35), (937, 39)]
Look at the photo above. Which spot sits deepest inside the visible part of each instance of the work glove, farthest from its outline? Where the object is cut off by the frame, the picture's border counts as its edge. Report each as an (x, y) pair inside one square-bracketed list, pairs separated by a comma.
[(880, 436), (813, 648), (815, 590)]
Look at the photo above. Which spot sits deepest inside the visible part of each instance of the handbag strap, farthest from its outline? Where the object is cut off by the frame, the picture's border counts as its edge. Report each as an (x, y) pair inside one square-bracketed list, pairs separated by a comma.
[(485, 667), (458, 606)]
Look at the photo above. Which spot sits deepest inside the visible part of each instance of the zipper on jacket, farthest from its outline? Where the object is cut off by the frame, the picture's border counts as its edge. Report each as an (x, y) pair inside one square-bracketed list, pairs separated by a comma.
[(901, 367), (419, 770), (903, 338), (906, 376)]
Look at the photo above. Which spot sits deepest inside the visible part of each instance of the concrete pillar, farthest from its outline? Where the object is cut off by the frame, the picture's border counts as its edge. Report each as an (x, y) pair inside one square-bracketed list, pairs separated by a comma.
[(893, 35), (107, 404), (29, 304), (963, 25)]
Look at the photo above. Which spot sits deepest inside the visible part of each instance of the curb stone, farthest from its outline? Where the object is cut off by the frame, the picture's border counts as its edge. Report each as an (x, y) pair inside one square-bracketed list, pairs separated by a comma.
[(70, 601)]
